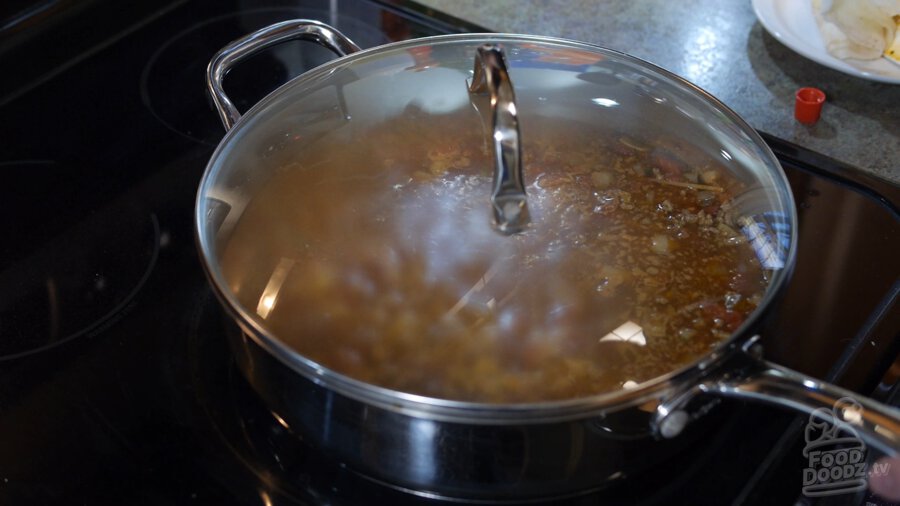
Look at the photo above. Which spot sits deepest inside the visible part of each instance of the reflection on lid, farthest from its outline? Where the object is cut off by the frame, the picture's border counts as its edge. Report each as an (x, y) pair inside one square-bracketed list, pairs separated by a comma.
[(482, 282), (628, 332), (270, 293), (605, 102), (769, 235)]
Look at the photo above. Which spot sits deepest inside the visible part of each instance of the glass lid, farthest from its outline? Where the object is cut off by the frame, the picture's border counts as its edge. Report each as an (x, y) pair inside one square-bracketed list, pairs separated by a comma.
[(348, 217)]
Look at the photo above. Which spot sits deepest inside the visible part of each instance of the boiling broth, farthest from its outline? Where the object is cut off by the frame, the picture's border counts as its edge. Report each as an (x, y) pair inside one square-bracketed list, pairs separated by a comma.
[(378, 260)]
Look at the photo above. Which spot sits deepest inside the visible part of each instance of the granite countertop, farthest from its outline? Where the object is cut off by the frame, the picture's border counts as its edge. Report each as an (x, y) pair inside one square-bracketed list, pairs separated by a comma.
[(720, 46)]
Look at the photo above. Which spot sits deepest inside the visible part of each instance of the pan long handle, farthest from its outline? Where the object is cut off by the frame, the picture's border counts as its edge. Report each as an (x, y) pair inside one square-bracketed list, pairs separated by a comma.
[(240, 49), (835, 415)]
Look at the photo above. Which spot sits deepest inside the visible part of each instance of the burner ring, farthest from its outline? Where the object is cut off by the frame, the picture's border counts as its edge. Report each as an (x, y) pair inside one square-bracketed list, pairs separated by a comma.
[(173, 83), (81, 279)]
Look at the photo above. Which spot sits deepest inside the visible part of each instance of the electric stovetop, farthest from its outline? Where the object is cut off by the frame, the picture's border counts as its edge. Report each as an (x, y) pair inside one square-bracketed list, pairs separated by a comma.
[(116, 385)]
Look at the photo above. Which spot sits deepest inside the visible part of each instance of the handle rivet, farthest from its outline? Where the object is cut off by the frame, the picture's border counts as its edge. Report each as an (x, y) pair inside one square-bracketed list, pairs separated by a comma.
[(673, 424)]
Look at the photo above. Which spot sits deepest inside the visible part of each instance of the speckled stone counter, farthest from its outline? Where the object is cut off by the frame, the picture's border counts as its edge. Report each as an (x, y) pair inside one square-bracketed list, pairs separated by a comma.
[(720, 46)]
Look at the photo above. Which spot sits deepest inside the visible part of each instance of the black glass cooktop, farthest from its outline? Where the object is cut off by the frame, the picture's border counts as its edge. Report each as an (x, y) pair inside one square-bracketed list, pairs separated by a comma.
[(116, 385)]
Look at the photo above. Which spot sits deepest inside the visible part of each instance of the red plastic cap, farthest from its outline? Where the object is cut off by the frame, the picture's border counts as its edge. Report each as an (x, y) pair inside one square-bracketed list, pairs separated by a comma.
[(808, 105)]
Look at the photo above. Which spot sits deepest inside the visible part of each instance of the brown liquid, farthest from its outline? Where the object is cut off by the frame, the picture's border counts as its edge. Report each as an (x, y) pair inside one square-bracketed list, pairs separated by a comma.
[(379, 261)]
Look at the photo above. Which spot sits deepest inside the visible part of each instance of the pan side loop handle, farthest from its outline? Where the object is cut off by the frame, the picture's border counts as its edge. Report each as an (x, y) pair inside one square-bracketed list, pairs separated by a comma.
[(834, 413), (508, 198), (240, 49)]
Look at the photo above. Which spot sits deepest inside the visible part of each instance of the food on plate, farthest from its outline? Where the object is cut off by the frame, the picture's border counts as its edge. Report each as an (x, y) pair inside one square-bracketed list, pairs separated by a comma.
[(858, 29), (893, 52), (378, 260)]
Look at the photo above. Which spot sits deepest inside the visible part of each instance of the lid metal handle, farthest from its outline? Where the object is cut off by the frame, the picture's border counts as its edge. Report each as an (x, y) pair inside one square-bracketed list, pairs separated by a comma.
[(240, 49), (508, 197)]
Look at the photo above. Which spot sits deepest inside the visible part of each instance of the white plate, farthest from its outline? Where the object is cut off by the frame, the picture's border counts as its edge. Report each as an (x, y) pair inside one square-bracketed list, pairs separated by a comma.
[(792, 22)]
